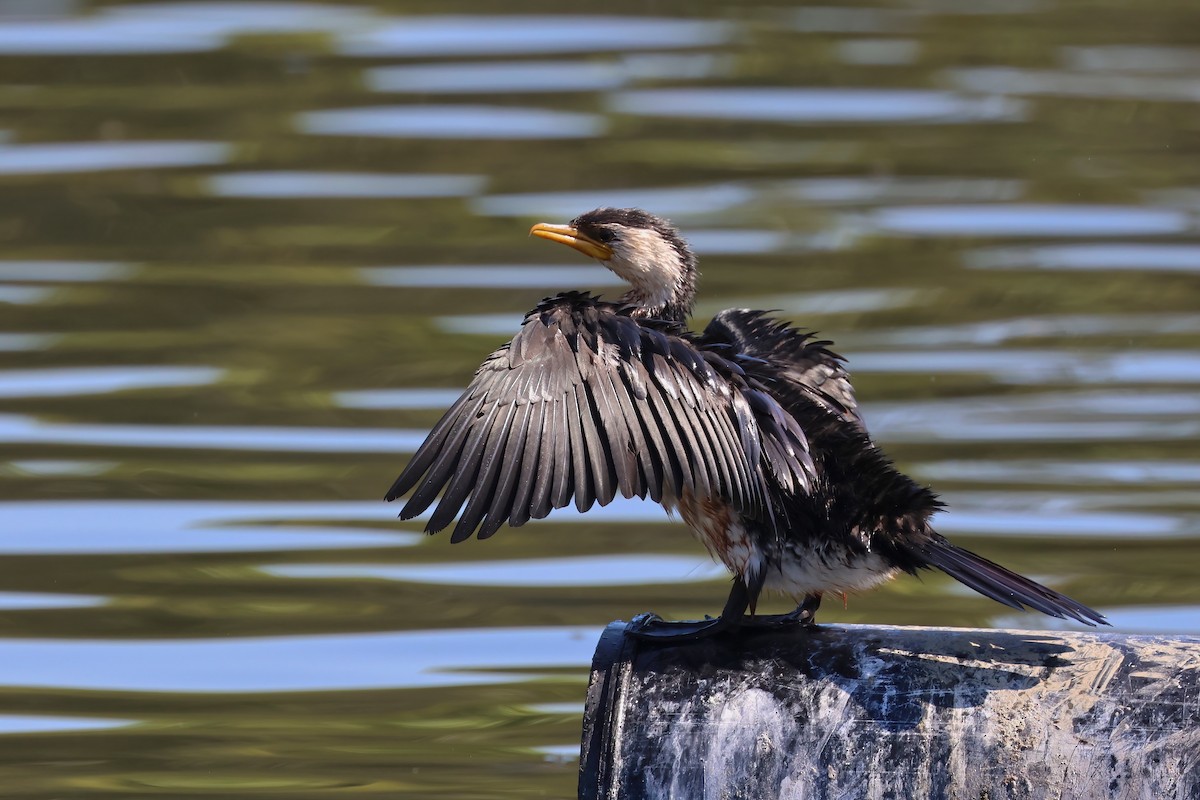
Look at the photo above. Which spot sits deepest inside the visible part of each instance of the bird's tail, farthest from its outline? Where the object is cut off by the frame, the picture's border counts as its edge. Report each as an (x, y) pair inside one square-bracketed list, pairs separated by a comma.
[(1001, 584)]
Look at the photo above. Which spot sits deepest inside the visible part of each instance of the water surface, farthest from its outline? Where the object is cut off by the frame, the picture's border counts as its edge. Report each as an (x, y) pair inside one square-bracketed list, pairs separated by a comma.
[(252, 250)]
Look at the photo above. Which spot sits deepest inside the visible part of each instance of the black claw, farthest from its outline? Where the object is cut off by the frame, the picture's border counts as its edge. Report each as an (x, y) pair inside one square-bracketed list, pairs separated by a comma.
[(806, 612)]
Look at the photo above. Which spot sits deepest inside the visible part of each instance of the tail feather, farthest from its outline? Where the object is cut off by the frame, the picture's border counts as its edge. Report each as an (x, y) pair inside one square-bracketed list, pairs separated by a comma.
[(1001, 584)]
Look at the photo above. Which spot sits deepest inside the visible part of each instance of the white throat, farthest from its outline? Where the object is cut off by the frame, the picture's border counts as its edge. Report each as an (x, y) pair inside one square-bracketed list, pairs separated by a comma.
[(650, 264)]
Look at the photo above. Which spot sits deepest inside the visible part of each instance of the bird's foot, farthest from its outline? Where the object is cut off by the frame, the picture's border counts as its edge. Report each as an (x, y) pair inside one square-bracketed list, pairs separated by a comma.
[(651, 628), (805, 615), (800, 618)]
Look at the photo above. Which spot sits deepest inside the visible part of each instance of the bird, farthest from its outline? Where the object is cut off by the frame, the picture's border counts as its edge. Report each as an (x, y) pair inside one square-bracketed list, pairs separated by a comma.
[(750, 431)]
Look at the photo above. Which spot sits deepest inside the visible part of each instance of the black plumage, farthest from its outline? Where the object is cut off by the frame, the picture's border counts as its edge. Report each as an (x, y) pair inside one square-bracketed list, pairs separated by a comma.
[(634, 406), (750, 430)]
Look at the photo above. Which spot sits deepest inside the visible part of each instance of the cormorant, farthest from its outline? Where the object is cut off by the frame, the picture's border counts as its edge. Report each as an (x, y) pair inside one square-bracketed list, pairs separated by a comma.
[(749, 430)]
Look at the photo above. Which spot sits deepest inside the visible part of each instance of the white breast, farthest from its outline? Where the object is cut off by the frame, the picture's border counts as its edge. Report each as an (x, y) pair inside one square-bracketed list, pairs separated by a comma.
[(799, 576)]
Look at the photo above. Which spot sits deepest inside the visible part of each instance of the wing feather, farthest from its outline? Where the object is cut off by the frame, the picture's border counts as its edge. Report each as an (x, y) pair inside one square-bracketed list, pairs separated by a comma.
[(612, 423), (587, 401), (457, 466), (436, 443), (663, 472), (489, 469), (790, 355), (503, 502), (599, 457), (583, 481), (543, 484), (522, 504)]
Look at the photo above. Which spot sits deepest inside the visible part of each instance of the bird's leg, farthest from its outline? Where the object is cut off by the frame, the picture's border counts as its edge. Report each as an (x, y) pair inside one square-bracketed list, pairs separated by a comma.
[(658, 630)]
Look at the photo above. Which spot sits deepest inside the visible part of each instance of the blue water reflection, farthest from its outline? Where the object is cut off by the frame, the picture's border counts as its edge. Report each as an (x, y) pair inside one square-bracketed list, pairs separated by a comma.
[(63, 271), (611, 570), (1031, 220), (71, 157), (518, 35), (1180, 620), (1115, 256), (737, 241), (84, 539), (993, 521), (27, 723), (1044, 471), (1052, 417), (397, 398), (560, 753), (1014, 80), (672, 202), (1041, 366), (150, 28), (71, 381), (23, 295), (813, 106), (105, 34), (480, 324), (493, 77), (21, 601), (292, 184), (1132, 58), (502, 77), (871, 190), (451, 122), (994, 332), (61, 466), (179, 526), (716, 198), (296, 663), (834, 302), (574, 709), (492, 276), (17, 429)]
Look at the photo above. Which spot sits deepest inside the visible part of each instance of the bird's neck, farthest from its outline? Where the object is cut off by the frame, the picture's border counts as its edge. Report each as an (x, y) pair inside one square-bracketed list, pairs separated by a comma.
[(672, 307), (659, 293)]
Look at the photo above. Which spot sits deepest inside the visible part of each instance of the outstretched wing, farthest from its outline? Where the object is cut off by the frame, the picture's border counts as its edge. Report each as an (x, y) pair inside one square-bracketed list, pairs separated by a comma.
[(587, 401), (789, 355)]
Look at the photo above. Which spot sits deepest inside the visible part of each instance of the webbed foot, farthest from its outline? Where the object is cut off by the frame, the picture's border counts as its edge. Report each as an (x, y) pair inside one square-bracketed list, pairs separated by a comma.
[(651, 628), (804, 615)]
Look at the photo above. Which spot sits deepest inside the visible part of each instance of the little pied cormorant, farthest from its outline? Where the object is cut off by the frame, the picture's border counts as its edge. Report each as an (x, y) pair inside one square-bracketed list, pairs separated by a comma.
[(749, 430)]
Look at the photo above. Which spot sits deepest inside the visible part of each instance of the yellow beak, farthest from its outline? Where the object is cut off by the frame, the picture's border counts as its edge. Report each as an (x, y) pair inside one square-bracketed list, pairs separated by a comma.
[(565, 234)]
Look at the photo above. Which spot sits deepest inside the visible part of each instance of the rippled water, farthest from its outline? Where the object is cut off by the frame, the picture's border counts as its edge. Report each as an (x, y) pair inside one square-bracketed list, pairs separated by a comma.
[(251, 250)]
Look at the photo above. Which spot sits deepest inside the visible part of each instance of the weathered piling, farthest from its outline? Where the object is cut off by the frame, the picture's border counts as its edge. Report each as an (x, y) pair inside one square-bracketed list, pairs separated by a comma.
[(855, 711)]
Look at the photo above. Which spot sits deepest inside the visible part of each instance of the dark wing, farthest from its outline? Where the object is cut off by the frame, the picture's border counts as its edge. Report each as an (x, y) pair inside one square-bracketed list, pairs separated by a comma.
[(791, 355), (587, 401)]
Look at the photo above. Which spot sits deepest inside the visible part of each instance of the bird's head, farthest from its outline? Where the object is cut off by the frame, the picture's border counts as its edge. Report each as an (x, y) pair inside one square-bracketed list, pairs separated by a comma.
[(642, 249)]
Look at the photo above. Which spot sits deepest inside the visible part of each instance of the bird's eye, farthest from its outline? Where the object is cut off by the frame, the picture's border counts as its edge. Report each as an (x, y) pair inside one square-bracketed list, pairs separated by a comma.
[(604, 235)]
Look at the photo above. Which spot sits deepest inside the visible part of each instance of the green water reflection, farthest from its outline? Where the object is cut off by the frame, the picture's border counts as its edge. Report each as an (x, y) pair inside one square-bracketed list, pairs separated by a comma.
[(211, 369)]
